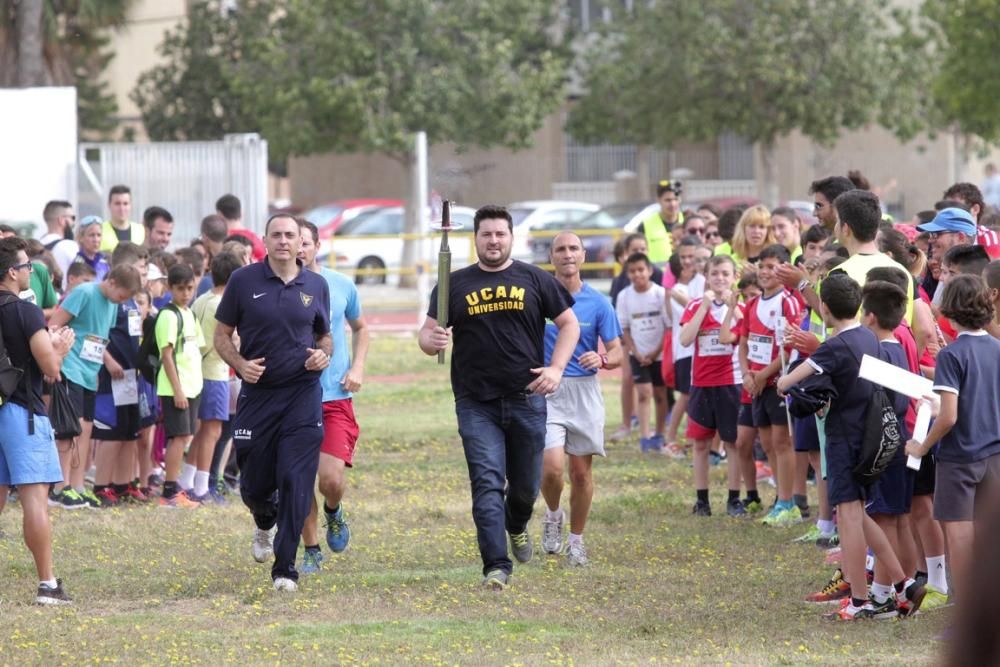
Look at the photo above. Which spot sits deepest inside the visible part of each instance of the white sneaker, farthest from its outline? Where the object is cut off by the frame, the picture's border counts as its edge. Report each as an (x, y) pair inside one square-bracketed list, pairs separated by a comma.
[(576, 555), (621, 433), (263, 545), (552, 533), (283, 584)]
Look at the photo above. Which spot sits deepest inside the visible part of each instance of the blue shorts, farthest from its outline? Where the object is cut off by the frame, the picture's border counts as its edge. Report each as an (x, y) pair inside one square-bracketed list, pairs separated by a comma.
[(214, 400), (841, 486), (892, 493), (26, 459), (806, 434)]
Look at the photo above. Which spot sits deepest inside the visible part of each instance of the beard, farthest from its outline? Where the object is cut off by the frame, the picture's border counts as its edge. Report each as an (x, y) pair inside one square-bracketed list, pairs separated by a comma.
[(493, 263)]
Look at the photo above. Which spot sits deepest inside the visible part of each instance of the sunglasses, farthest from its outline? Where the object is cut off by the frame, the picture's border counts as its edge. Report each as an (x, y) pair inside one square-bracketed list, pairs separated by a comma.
[(713, 235), (694, 230)]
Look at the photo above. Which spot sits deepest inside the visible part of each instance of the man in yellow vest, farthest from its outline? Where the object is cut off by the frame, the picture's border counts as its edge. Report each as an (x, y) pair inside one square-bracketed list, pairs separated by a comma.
[(657, 227), (118, 227)]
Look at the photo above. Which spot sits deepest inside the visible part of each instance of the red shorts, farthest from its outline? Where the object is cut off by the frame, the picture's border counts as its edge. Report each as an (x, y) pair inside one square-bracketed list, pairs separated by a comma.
[(340, 430)]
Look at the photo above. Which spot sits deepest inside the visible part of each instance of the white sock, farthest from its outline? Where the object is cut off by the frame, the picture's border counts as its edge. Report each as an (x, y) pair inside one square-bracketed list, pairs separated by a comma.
[(575, 539), (826, 527), (936, 573), (200, 483), (882, 592), (553, 515), (51, 583), (186, 480)]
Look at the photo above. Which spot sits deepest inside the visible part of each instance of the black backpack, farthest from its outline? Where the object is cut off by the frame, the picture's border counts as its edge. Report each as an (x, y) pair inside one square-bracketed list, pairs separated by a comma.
[(149, 361), (10, 375), (882, 439)]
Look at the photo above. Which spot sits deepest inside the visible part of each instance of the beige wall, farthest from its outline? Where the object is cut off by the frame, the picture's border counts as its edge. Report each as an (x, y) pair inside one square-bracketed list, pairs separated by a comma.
[(135, 51), (473, 178)]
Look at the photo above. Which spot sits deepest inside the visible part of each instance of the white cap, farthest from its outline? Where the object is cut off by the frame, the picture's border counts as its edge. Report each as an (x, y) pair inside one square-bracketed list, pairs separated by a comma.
[(154, 273)]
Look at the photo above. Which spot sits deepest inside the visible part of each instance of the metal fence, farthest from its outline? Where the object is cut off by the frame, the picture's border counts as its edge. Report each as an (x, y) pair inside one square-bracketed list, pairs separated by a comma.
[(186, 178)]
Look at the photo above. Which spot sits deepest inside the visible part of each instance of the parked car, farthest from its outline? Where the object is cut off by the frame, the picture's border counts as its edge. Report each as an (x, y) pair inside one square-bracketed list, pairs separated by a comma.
[(529, 215), (599, 248), (329, 217), (356, 250)]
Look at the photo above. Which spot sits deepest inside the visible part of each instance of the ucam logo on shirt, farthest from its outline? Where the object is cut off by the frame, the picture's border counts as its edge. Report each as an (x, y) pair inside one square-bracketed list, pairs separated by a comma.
[(242, 434), (489, 299)]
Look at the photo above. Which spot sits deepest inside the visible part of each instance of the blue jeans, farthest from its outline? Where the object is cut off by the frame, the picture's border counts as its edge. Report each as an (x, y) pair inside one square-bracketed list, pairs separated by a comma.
[(504, 440)]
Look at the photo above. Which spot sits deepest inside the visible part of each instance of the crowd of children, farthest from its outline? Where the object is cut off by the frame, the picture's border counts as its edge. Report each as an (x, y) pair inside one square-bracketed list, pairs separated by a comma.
[(777, 321)]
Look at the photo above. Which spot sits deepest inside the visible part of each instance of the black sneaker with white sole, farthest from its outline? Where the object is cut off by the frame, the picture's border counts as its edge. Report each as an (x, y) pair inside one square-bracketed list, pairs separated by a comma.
[(48, 595)]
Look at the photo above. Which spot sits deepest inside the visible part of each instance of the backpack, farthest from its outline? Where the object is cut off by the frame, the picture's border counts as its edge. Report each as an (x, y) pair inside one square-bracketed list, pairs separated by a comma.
[(149, 361), (882, 439), (10, 376)]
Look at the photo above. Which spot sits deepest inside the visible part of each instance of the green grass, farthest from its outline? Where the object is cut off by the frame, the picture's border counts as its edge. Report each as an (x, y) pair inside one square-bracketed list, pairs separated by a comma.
[(172, 587)]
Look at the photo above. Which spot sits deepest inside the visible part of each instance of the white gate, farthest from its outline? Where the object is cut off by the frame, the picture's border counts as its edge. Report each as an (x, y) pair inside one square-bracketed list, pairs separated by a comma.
[(186, 178)]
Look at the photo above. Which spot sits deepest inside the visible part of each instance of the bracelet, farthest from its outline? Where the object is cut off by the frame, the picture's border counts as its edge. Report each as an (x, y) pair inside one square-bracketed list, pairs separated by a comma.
[(804, 283), (604, 361)]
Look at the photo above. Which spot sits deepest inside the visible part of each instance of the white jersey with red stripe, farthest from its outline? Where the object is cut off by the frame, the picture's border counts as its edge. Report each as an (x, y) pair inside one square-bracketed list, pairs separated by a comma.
[(762, 324), (715, 364), (990, 241)]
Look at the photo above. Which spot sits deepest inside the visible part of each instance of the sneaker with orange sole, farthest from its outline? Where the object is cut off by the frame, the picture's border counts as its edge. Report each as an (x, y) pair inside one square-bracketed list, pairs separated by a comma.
[(180, 500), (835, 590)]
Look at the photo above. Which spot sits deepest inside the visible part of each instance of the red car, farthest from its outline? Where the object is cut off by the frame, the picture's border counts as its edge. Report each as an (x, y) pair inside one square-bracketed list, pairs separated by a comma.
[(330, 216)]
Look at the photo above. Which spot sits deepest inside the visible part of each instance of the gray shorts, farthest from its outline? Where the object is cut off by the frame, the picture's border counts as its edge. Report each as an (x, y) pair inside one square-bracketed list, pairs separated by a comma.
[(961, 488), (576, 417)]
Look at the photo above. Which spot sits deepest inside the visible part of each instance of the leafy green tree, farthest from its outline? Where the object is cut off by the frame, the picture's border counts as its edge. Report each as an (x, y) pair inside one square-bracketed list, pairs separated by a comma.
[(676, 70), (67, 45)]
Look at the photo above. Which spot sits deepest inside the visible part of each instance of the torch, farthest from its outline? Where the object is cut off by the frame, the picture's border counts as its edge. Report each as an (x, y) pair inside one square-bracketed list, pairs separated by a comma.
[(444, 268)]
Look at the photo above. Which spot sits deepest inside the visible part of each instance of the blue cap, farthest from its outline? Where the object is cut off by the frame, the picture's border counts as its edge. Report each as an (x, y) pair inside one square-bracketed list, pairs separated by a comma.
[(90, 220), (951, 220)]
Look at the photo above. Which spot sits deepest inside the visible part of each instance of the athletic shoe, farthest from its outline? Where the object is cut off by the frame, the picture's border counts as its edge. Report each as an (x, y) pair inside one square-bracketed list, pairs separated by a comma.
[(285, 585), (701, 508), (788, 516), (203, 499), (650, 444), (180, 500), (107, 497), (576, 555), (910, 600), (312, 561), (49, 595), (848, 612), (734, 508), (338, 533), (752, 506), (835, 589), (93, 502), (828, 540), (496, 580), (262, 546), (155, 481), (884, 610), (934, 599), (55, 497), (520, 546), (659, 439), (552, 533), (619, 434), (133, 494), (804, 511), (674, 451), (12, 495), (715, 458), (763, 470), (634, 422), (217, 497), (69, 499), (771, 516), (810, 535)]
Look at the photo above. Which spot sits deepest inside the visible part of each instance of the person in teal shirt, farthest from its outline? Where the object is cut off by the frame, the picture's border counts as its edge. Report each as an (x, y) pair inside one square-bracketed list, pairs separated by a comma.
[(90, 311)]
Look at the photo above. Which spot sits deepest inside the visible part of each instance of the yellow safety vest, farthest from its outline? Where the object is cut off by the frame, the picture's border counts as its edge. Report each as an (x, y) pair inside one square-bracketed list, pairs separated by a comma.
[(109, 239), (659, 242)]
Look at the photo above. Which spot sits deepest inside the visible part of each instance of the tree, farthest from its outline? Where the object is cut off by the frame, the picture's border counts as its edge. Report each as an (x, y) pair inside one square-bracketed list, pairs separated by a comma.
[(672, 71), (63, 43), (365, 75)]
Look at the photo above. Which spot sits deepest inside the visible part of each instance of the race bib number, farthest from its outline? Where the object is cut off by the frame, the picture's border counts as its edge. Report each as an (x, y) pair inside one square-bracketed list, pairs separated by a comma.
[(29, 296), (760, 349), (93, 349), (191, 349), (134, 323), (709, 345)]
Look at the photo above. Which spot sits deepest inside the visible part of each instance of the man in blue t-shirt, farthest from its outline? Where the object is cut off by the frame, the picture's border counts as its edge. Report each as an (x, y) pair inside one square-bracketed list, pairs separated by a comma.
[(282, 311), (340, 429), (575, 412)]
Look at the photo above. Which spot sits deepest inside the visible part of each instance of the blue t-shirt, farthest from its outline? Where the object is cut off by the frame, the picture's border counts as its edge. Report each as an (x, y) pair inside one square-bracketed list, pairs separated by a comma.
[(93, 315), (344, 305), (597, 320), (840, 358), (277, 321), (892, 352), (204, 285), (970, 368)]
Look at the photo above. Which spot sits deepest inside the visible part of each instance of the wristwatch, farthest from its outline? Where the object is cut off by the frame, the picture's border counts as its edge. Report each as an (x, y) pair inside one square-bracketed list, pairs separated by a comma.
[(804, 283)]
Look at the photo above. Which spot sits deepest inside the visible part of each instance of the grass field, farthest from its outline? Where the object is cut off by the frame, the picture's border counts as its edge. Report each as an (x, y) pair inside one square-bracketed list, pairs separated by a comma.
[(157, 586)]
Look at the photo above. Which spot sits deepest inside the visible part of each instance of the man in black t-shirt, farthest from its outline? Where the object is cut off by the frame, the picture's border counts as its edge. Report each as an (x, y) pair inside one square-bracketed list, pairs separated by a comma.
[(497, 310), (28, 456)]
